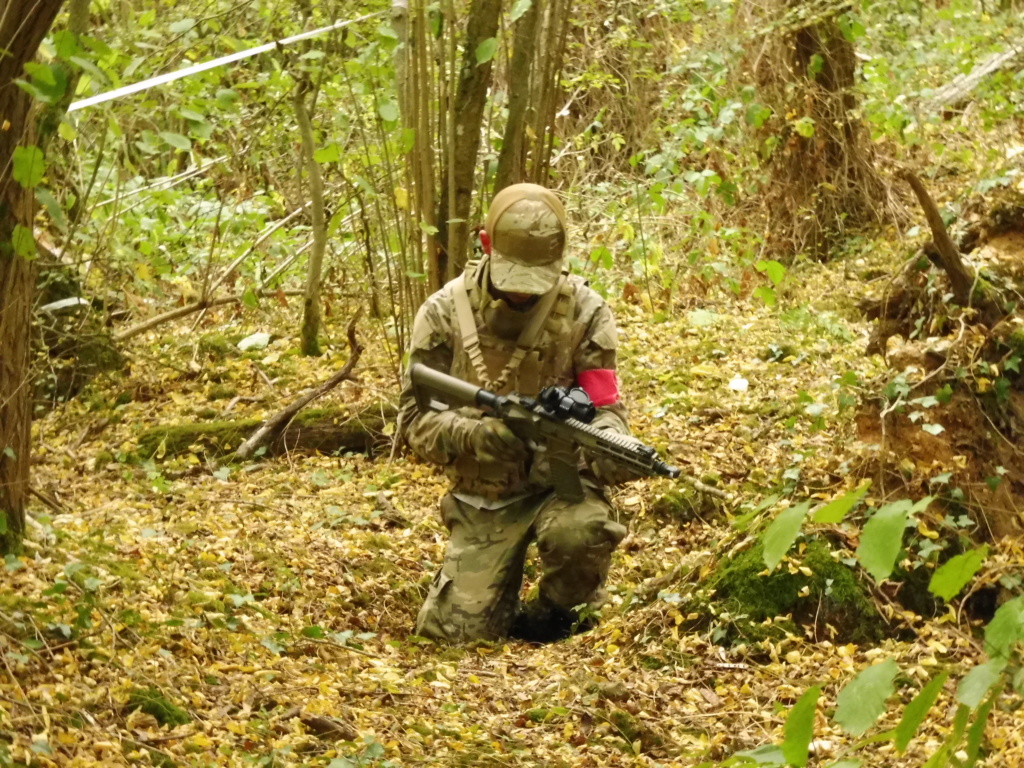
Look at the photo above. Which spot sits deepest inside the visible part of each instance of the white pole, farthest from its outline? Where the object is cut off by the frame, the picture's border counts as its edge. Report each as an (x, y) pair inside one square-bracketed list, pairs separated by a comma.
[(172, 76)]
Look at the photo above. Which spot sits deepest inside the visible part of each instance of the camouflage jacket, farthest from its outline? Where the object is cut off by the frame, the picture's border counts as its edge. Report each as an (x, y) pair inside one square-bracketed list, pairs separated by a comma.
[(578, 336)]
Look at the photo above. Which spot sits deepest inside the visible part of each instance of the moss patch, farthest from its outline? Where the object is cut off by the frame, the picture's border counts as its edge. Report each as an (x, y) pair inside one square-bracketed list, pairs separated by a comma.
[(221, 392), (1015, 341), (154, 703), (830, 597), (218, 436), (685, 505), (219, 345)]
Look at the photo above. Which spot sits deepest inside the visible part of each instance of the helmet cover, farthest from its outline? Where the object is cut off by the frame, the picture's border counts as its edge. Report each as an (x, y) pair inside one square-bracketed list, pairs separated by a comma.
[(526, 224)]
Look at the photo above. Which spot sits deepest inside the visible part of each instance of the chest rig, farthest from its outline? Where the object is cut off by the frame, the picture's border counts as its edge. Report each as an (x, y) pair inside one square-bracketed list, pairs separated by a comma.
[(541, 355)]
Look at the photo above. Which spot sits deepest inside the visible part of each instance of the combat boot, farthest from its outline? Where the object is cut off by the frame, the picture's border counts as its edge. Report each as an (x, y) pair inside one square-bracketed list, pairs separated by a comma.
[(542, 621)]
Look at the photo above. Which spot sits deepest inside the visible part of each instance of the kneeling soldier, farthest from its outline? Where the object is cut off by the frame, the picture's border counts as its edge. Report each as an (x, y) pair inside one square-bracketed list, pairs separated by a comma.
[(515, 322)]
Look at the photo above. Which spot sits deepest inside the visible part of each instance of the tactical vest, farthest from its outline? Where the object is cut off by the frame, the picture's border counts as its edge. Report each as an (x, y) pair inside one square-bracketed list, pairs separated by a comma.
[(542, 355)]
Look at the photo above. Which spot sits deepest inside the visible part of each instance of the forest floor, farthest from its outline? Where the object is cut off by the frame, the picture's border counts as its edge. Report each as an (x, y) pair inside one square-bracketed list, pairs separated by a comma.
[(182, 612)]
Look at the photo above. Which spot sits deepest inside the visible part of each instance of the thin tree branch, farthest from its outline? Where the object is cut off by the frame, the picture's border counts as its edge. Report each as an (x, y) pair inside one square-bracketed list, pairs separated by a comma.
[(273, 426)]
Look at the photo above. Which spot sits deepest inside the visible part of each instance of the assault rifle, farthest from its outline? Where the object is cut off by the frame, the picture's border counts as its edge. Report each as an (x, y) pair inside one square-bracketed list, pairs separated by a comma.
[(555, 422)]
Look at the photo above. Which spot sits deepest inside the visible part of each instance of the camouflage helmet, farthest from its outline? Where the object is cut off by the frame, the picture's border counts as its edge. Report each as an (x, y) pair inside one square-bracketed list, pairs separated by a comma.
[(526, 225)]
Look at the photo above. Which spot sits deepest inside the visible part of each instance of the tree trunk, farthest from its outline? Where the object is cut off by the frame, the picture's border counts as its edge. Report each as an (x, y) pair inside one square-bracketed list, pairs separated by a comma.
[(512, 160), (824, 177), (22, 28), (546, 87), (311, 300), (474, 81)]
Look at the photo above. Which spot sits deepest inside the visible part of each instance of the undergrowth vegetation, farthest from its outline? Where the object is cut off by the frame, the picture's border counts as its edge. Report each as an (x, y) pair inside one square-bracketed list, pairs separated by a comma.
[(836, 581)]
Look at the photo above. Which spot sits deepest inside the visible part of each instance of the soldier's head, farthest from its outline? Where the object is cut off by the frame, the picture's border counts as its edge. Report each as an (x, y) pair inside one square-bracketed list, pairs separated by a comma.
[(526, 229)]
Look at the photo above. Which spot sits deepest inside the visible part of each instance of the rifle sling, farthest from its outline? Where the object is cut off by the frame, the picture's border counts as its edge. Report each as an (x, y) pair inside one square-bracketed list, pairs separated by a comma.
[(524, 344)]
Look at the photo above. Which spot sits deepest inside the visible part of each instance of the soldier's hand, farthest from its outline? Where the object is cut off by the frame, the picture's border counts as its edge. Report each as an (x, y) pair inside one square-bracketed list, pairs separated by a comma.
[(611, 472), (494, 442)]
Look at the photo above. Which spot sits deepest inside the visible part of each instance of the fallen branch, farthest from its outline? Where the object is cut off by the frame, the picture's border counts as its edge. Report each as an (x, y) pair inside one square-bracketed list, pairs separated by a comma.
[(314, 430), (955, 93), (321, 725), (273, 426), (704, 487), (962, 279), (187, 310)]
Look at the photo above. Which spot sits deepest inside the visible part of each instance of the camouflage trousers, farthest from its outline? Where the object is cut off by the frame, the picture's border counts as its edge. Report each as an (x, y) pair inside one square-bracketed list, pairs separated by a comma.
[(475, 593)]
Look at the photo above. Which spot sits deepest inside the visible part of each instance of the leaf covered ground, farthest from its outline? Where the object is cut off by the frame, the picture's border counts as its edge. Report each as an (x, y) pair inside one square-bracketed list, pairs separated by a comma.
[(185, 611)]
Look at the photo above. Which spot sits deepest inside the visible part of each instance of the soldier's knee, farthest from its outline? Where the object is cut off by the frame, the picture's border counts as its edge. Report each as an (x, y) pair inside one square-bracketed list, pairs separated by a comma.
[(569, 539), (457, 612)]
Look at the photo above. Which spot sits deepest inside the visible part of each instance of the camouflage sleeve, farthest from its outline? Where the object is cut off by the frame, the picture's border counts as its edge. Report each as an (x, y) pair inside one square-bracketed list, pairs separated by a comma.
[(432, 436), (597, 351)]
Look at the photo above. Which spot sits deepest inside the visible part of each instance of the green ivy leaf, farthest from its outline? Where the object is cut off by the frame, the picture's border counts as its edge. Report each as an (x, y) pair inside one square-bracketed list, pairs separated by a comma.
[(65, 44), (757, 115), (176, 140), (191, 114), (272, 645), (95, 72), (24, 242), (976, 734), (182, 25), (601, 255), (328, 154), (933, 429), (862, 701), (42, 74), (775, 271), (804, 126), (49, 202), (226, 97), (519, 9), (799, 728), (834, 512), (765, 756), (29, 166), (782, 533), (1006, 629), (954, 574), (979, 681), (851, 27), (882, 538), (486, 50), (766, 294), (917, 710), (388, 111)]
